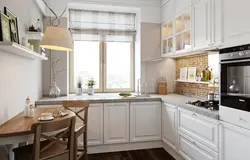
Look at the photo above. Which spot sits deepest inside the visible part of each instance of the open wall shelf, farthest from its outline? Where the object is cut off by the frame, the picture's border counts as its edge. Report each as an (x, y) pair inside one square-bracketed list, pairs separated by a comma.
[(14, 48), (186, 81)]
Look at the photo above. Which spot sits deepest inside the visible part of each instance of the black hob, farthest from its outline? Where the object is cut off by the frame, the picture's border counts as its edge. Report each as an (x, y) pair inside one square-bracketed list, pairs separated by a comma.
[(211, 105)]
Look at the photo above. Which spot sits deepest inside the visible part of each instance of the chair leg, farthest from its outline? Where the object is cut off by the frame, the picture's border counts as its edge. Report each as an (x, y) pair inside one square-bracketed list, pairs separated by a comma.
[(85, 146), (75, 148)]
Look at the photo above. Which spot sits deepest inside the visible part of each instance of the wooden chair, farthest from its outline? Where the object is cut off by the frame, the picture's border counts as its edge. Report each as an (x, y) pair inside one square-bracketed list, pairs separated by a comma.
[(51, 147), (81, 111)]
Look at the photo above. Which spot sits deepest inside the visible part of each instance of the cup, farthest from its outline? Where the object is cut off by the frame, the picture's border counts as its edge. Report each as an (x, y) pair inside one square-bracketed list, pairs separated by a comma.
[(46, 115)]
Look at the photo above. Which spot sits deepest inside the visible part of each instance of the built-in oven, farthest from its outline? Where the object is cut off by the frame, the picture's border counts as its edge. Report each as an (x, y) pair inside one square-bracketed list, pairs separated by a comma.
[(235, 77)]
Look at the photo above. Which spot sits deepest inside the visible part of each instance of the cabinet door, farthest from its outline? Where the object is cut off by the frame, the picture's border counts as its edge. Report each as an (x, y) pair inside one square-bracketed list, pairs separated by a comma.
[(202, 25), (116, 123), (193, 150), (169, 125), (181, 6), (150, 41), (167, 11), (216, 6), (145, 121), (95, 124), (235, 142), (236, 22)]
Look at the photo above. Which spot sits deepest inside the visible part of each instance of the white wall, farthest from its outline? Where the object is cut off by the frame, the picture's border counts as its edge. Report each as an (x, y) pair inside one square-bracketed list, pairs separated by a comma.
[(150, 9), (19, 77), (152, 72)]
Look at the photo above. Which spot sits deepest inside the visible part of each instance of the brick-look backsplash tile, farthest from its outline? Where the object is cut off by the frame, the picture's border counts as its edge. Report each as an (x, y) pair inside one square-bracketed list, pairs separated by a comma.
[(200, 62)]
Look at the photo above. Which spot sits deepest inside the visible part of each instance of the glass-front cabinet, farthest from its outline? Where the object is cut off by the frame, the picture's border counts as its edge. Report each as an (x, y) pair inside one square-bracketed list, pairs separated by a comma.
[(167, 39), (182, 33), (176, 37)]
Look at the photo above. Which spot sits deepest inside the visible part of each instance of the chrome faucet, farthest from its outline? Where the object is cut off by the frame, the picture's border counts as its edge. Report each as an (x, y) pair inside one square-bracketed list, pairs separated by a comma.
[(138, 86)]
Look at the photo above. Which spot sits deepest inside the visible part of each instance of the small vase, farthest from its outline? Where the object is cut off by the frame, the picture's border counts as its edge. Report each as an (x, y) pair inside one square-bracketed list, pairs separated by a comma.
[(54, 91), (78, 91), (91, 91)]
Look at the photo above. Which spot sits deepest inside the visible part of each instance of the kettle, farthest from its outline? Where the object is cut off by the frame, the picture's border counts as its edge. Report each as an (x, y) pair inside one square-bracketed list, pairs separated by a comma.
[(211, 96)]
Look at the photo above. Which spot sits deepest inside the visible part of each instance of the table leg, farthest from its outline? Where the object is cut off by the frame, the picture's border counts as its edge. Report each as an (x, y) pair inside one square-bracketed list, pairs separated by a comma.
[(11, 153)]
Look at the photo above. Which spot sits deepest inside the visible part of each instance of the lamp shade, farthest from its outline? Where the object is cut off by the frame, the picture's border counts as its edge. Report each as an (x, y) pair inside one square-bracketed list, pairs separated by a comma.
[(56, 38)]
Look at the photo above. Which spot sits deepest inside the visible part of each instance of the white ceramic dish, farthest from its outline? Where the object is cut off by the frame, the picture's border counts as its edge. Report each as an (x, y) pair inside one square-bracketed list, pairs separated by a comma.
[(47, 118)]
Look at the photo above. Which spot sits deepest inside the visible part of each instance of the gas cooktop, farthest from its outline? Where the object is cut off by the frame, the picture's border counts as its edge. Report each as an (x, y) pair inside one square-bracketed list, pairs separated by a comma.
[(211, 105)]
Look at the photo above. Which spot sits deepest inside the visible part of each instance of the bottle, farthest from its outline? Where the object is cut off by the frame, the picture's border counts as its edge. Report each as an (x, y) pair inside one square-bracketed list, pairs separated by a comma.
[(26, 110), (206, 74), (203, 75), (209, 74), (37, 25), (31, 110), (212, 74)]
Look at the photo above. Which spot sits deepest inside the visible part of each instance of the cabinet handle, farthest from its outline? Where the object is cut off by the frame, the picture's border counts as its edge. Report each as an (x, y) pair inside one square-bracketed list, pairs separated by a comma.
[(243, 120)]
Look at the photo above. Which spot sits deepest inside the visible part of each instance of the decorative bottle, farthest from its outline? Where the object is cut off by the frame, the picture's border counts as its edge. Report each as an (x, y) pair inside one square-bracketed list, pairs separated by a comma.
[(31, 110), (26, 110)]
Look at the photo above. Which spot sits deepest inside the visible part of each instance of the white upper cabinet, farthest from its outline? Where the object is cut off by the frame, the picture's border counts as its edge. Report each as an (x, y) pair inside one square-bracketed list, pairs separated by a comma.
[(202, 25), (145, 121), (116, 123), (169, 125), (181, 6), (95, 124), (236, 22), (150, 41), (167, 11), (235, 142), (216, 6)]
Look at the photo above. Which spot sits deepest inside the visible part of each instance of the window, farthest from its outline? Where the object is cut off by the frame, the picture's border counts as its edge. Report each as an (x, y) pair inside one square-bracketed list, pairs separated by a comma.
[(103, 49), (110, 64)]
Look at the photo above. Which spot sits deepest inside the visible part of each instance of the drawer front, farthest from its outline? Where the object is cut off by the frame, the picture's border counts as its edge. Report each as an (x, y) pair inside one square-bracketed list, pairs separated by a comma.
[(234, 116), (199, 127), (193, 150)]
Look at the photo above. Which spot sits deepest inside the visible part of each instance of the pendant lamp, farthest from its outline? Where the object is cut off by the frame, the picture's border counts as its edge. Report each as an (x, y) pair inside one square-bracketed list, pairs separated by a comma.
[(56, 38)]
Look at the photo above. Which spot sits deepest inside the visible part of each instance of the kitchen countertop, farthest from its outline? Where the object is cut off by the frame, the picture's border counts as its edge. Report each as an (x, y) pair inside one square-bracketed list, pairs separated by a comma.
[(174, 99), (180, 101)]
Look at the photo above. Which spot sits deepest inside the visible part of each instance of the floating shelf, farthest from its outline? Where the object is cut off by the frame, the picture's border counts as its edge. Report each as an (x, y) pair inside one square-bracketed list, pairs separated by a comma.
[(34, 35), (153, 59), (20, 50), (186, 81)]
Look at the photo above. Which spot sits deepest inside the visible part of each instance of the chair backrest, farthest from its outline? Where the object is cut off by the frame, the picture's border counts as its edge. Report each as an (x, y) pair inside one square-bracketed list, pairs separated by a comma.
[(53, 132), (82, 106)]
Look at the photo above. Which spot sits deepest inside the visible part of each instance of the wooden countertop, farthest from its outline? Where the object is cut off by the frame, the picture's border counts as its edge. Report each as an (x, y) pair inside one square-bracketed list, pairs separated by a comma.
[(20, 125)]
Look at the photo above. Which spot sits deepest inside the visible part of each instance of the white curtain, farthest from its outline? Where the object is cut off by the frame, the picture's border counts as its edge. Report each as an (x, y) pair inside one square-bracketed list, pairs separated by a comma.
[(99, 25)]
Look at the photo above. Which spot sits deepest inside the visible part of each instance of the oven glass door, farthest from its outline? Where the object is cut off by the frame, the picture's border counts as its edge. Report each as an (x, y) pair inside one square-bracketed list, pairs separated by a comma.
[(235, 85)]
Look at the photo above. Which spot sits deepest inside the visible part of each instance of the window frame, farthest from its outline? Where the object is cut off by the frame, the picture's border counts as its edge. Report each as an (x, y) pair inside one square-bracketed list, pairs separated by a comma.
[(103, 71)]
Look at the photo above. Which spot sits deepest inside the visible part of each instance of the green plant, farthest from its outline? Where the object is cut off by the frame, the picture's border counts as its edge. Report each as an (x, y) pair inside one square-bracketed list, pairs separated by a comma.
[(91, 83), (79, 82)]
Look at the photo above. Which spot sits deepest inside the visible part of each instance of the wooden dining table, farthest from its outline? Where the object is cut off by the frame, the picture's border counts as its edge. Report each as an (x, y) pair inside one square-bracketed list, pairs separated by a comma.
[(18, 128)]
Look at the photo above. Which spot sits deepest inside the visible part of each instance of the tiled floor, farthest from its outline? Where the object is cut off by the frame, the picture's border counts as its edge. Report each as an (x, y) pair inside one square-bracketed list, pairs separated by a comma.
[(149, 154)]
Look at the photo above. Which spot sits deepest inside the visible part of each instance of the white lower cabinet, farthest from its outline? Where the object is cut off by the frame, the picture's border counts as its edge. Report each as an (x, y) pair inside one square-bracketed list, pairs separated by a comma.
[(169, 125), (95, 124), (145, 121), (234, 142), (200, 128), (191, 149), (116, 123)]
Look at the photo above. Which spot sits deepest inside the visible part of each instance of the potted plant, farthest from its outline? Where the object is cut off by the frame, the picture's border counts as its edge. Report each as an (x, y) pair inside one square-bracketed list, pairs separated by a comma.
[(79, 86), (91, 84)]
